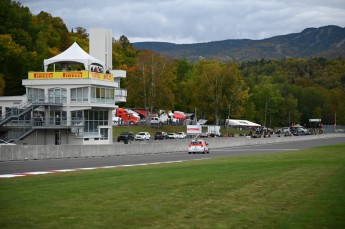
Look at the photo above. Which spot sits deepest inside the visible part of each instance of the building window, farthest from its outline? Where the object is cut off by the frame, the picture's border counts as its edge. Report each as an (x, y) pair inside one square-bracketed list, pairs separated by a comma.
[(77, 118), (80, 94), (102, 95), (57, 95), (104, 133), (93, 119), (35, 95)]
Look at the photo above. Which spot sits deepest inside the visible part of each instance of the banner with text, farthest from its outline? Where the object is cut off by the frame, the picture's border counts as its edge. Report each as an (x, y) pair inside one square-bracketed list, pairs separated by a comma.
[(193, 129), (70, 75)]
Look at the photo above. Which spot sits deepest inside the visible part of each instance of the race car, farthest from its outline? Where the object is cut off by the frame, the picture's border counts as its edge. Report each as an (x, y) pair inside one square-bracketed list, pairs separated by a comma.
[(198, 146)]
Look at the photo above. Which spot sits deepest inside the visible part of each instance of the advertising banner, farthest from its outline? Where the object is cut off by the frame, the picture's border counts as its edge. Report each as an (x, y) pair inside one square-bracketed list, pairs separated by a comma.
[(70, 75), (193, 129)]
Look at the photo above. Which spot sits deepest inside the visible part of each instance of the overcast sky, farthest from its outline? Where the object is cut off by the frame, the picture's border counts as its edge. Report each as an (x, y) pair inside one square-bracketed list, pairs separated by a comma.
[(192, 21)]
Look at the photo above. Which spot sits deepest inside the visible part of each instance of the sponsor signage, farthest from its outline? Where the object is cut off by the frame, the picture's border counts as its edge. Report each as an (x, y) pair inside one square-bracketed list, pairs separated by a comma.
[(315, 120), (70, 75), (193, 129)]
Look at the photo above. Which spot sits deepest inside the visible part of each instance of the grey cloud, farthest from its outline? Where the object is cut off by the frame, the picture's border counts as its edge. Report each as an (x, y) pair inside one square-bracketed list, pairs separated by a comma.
[(189, 21)]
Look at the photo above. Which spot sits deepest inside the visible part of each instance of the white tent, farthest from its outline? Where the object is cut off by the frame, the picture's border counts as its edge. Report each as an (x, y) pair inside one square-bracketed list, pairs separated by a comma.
[(236, 122), (73, 55)]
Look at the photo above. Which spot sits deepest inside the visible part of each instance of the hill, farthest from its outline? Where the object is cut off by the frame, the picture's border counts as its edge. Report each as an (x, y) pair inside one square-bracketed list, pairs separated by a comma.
[(327, 41)]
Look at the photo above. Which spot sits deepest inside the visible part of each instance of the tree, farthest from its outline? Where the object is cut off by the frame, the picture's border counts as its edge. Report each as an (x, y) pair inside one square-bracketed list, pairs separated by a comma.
[(2, 84), (10, 64), (150, 82), (216, 87), (269, 104), (123, 53), (181, 86)]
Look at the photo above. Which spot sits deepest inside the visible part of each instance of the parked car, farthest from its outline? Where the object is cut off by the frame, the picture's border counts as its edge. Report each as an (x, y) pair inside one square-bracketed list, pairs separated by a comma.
[(204, 135), (141, 136), (198, 146), (125, 136), (300, 131), (181, 135), (2, 142), (285, 129), (155, 121), (172, 136), (161, 136)]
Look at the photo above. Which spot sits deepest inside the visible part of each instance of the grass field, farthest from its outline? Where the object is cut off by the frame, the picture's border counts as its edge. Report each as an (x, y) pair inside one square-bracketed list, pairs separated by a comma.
[(299, 189)]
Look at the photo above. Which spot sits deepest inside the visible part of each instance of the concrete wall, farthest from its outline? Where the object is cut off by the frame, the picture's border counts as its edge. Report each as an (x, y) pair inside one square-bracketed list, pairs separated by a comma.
[(41, 152)]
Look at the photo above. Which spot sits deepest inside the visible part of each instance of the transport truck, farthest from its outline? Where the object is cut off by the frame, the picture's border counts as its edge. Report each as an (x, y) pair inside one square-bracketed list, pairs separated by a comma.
[(127, 117)]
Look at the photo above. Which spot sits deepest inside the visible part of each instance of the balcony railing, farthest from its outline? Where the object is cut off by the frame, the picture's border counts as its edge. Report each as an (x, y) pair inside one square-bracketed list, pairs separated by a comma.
[(120, 95)]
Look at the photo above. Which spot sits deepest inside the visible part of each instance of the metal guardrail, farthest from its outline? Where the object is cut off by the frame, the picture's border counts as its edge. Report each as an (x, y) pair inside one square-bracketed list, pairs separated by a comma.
[(334, 129)]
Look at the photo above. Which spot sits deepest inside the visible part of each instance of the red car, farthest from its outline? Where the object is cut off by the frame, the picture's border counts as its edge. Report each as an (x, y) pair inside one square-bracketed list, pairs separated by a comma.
[(198, 146)]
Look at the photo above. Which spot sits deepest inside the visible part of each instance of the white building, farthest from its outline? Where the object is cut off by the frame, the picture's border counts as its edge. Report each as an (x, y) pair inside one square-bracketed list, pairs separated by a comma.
[(101, 46), (64, 106)]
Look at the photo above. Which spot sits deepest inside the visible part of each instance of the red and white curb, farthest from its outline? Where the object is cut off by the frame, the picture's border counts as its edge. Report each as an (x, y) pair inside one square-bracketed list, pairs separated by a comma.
[(81, 169)]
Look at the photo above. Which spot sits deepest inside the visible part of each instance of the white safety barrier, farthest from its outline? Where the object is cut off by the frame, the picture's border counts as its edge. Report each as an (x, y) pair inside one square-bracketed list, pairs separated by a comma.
[(41, 152)]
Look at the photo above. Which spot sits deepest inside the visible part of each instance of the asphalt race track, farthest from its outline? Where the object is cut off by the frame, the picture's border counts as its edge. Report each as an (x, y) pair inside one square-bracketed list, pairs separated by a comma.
[(16, 167)]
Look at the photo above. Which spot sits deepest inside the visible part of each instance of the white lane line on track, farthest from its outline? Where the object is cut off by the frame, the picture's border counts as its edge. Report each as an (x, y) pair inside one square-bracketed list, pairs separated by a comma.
[(254, 149), (92, 168), (11, 175)]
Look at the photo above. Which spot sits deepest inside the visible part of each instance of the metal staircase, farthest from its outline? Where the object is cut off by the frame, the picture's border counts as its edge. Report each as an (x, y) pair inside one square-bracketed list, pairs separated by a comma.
[(17, 112), (17, 134), (18, 121)]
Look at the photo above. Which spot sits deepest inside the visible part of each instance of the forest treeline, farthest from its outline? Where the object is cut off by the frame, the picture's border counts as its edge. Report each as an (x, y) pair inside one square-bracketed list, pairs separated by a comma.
[(270, 92)]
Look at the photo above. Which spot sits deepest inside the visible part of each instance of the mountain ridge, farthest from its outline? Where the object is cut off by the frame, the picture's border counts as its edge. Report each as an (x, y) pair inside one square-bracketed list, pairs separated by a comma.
[(327, 41)]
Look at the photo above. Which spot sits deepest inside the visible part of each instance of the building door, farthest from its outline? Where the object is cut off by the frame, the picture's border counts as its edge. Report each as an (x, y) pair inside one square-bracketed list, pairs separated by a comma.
[(58, 118), (57, 137)]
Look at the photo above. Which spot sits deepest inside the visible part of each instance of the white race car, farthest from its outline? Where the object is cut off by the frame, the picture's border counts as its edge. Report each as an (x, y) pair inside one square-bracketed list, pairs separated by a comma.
[(198, 146)]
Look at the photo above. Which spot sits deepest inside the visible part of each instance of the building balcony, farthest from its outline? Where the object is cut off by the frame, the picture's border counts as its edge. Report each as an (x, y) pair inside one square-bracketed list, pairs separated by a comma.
[(120, 95), (118, 73)]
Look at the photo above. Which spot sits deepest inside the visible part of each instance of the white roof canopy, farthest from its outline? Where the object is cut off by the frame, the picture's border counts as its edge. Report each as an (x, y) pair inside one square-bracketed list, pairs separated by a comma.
[(73, 55), (236, 122)]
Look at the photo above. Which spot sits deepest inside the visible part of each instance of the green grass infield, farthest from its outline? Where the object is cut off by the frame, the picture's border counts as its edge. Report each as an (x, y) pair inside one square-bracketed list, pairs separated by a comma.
[(299, 189)]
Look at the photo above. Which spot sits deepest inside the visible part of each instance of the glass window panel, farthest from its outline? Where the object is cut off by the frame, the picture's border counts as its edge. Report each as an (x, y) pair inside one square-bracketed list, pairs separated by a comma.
[(74, 94), (93, 92), (102, 93), (85, 94), (98, 93), (79, 94)]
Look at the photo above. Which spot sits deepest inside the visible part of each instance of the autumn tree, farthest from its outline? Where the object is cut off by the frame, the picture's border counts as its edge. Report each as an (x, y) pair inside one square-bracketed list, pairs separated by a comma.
[(182, 88), (217, 87), (150, 82), (15, 62), (123, 53), (2, 84)]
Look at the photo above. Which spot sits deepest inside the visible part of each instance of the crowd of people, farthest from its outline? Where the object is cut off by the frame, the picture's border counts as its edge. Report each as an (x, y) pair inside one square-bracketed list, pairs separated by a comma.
[(99, 69)]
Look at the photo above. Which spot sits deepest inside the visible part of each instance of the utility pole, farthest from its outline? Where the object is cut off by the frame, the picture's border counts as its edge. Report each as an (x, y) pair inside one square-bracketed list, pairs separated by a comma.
[(265, 113), (227, 123)]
